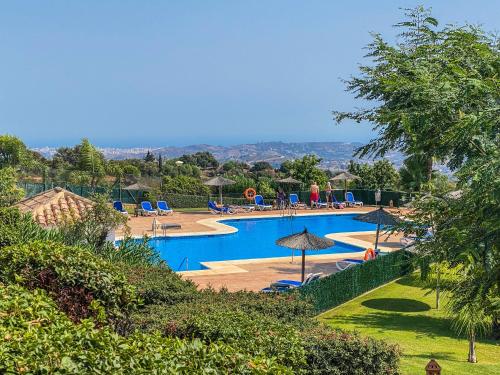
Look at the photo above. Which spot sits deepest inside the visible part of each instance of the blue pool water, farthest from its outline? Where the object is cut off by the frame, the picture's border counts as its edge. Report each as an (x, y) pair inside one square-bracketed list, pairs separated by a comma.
[(255, 239)]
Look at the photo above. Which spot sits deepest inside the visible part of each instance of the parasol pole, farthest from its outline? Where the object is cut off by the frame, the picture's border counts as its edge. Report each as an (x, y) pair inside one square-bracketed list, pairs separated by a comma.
[(376, 236), (303, 265)]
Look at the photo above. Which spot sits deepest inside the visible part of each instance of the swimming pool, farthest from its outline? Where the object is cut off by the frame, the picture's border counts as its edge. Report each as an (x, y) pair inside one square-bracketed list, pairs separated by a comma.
[(255, 238)]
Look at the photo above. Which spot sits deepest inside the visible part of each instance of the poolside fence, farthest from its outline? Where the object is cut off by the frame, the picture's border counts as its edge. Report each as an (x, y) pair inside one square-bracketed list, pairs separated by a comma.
[(340, 287), (196, 201)]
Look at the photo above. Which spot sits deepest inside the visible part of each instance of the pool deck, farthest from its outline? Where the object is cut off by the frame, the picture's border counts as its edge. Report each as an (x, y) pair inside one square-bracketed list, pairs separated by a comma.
[(255, 274)]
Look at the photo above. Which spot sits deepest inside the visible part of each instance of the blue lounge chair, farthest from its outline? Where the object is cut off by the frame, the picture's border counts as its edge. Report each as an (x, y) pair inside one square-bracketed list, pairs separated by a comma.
[(212, 206), (163, 208), (336, 203), (295, 203), (320, 204), (118, 206), (284, 285), (147, 209), (260, 205), (349, 199)]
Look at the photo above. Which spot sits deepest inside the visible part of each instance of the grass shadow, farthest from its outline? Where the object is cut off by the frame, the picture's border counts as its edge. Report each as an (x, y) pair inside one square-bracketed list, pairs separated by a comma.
[(396, 304), (420, 324)]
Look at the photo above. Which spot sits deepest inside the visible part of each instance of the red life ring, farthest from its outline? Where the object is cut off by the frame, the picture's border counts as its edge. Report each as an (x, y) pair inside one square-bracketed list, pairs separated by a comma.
[(369, 254), (250, 194)]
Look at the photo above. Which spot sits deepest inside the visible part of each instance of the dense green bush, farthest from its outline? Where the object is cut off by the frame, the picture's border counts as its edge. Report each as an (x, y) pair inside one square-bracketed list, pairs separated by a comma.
[(81, 283), (172, 298), (17, 228), (37, 338), (342, 286), (160, 285), (336, 352), (254, 334)]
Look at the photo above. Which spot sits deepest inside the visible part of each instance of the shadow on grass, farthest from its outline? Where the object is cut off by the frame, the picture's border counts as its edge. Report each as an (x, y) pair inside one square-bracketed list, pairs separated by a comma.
[(445, 356), (396, 304), (412, 280), (419, 324)]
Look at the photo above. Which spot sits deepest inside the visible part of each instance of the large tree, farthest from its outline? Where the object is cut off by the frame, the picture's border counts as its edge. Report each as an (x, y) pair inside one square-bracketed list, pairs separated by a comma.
[(10, 193), (91, 161), (431, 94), (13, 152), (435, 97), (306, 170)]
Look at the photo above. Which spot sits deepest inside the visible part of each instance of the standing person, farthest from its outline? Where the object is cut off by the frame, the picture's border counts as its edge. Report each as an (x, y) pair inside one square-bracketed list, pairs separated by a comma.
[(328, 191), (314, 194), (281, 198)]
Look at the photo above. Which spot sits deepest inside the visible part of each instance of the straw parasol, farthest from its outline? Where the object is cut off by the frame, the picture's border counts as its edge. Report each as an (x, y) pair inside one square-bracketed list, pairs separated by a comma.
[(304, 241), (289, 180), (345, 176), (379, 217), (138, 186), (220, 182)]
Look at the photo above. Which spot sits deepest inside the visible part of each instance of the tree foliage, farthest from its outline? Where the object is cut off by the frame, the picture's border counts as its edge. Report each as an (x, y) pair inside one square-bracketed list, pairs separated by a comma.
[(10, 193), (202, 159), (379, 175), (306, 170), (432, 94), (13, 152)]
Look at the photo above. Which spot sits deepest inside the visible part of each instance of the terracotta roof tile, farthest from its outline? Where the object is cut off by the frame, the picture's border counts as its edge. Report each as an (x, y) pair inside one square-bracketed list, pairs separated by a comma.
[(54, 206)]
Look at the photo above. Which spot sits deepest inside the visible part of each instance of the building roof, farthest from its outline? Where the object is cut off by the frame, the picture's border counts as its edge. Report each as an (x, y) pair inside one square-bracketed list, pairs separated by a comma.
[(54, 206)]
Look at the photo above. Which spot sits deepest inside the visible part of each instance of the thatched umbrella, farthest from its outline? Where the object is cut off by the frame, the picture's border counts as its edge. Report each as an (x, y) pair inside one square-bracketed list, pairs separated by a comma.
[(379, 217), (138, 186), (289, 180), (220, 182), (305, 241), (345, 176)]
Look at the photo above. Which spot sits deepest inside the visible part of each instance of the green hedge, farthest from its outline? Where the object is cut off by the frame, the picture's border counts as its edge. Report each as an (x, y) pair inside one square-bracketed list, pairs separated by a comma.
[(343, 286), (37, 338)]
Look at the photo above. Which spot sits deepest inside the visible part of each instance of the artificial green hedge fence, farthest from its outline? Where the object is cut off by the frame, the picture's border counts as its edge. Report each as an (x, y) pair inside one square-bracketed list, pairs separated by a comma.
[(343, 286)]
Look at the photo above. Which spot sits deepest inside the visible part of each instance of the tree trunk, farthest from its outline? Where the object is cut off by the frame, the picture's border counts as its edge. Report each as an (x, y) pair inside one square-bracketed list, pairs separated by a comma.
[(472, 348), (437, 288), (429, 169)]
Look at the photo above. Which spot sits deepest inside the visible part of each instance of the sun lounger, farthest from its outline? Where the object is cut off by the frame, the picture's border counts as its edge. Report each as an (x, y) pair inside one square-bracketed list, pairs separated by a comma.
[(260, 205), (412, 239), (320, 204), (242, 209), (283, 285), (118, 206), (336, 203), (295, 203), (346, 263), (350, 201), (163, 208), (147, 209), (216, 210)]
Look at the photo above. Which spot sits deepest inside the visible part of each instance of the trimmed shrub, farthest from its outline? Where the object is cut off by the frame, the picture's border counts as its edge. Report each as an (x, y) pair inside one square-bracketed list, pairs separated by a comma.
[(160, 285), (336, 352), (343, 286), (254, 334), (82, 284), (37, 338), (163, 310)]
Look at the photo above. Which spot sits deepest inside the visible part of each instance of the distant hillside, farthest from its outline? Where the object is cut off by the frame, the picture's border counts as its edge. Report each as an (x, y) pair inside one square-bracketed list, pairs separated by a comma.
[(335, 155)]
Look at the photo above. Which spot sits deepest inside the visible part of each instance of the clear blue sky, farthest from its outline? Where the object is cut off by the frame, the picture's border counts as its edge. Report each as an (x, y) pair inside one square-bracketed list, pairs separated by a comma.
[(152, 73)]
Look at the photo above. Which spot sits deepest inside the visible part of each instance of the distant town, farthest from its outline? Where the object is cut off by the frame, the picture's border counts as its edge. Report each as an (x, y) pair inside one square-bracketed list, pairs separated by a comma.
[(334, 155)]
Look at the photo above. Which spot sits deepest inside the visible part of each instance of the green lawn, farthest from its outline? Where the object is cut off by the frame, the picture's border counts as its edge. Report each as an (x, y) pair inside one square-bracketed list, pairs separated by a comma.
[(403, 314)]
